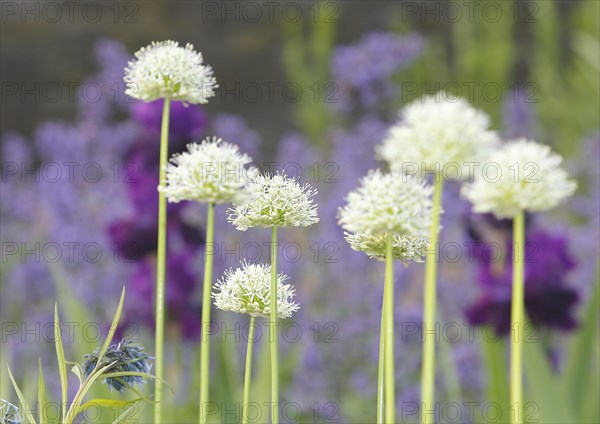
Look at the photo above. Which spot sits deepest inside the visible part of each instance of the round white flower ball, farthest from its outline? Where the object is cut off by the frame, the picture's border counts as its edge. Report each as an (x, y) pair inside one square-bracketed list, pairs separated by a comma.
[(275, 201), (405, 248), (522, 175), (247, 290), (438, 134), (164, 70), (388, 202), (210, 172)]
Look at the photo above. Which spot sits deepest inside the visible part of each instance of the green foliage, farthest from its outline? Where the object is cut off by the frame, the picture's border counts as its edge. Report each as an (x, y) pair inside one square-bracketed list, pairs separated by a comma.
[(70, 410), (573, 396)]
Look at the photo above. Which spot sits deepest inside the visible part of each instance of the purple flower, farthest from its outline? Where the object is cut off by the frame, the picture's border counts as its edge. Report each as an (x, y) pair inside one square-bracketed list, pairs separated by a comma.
[(181, 283), (548, 300), (519, 115), (185, 121), (364, 68)]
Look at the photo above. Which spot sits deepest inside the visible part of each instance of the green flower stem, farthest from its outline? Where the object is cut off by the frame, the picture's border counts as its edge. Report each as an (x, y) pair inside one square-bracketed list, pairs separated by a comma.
[(273, 332), (429, 308), (248, 372), (381, 371), (517, 319), (390, 390), (160, 266), (206, 306)]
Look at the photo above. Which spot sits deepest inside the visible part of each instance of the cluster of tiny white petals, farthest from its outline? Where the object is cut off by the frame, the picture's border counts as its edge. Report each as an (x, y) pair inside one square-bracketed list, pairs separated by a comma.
[(388, 202), (522, 175), (405, 248), (274, 201), (247, 290), (211, 172), (435, 132), (164, 70)]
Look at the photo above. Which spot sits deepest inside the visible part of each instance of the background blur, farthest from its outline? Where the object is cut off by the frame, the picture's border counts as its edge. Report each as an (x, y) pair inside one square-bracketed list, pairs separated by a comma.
[(309, 88)]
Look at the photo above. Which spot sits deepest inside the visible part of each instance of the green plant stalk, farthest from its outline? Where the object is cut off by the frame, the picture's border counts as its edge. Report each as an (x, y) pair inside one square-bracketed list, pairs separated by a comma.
[(206, 306), (248, 372), (381, 370), (390, 389), (160, 267), (429, 308), (494, 355), (517, 314), (273, 332)]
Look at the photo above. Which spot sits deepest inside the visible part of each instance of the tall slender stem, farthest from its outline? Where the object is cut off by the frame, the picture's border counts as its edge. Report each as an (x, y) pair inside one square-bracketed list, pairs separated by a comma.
[(429, 308), (248, 372), (161, 266), (381, 370), (273, 332), (206, 306), (517, 319), (390, 389)]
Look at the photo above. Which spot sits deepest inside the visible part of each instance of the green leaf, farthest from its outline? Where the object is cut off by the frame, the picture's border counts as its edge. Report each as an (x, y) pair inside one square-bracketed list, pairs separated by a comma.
[(41, 394), (78, 371), (494, 355), (551, 404), (113, 326), (581, 374), (24, 407), (62, 363)]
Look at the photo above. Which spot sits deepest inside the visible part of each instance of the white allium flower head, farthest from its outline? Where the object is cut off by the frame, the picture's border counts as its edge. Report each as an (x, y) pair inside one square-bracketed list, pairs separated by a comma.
[(210, 172), (247, 290), (388, 202), (274, 201), (435, 132), (405, 248), (164, 70), (522, 175)]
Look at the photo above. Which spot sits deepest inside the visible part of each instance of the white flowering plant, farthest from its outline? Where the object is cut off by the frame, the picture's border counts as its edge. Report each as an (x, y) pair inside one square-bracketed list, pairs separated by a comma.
[(213, 171), (388, 202), (274, 201), (247, 290), (522, 175), (436, 131), (165, 70)]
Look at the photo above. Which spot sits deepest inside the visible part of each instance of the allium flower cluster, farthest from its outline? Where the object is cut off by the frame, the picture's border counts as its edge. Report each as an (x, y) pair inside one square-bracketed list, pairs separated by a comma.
[(405, 249), (210, 172), (437, 131), (247, 290), (387, 202), (165, 70), (522, 176), (124, 357), (275, 201)]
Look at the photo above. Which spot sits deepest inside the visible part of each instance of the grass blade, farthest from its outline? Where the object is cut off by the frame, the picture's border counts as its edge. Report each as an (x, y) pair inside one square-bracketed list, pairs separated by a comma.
[(551, 405), (24, 407), (41, 394), (581, 371), (113, 326), (62, 363)]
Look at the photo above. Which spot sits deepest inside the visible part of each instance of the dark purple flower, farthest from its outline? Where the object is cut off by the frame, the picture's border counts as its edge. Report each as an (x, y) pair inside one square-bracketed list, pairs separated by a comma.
[(180, 287), (133, 238), (548, 300), (185, 121)]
